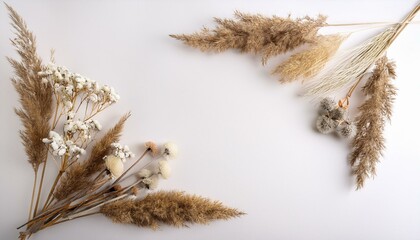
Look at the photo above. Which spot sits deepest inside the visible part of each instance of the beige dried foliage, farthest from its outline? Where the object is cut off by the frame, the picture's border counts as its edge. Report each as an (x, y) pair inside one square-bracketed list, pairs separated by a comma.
[(369, 141), (35, 97), (172, 208), (79, 175), (255, 33), (308, 63)]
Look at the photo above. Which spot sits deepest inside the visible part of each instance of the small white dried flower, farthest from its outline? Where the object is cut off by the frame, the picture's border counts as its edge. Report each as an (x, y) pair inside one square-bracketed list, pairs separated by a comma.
[(170, 150), (144, 173), (327, 104), (164, 169), (114, 165), (151, 182), (347, 131), (325, 125)]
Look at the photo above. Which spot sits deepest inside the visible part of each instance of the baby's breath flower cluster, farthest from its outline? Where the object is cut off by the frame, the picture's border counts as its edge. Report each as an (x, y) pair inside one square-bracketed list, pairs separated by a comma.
[(333, 118), (71, 91), (59, 147), (67, 85)]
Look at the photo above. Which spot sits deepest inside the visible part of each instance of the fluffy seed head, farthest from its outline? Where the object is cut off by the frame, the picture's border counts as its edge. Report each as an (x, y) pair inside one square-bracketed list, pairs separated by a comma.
[(164, 169), (325, 125), (338, 113), (114, 165), (170, 150), (327, 104), (144, 173), (154, 149), (348, 131), (151, 182)]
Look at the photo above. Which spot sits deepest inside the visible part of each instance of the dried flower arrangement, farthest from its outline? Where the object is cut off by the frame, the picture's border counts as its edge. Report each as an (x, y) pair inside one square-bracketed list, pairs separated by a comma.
[(57, 111), (271, 36)]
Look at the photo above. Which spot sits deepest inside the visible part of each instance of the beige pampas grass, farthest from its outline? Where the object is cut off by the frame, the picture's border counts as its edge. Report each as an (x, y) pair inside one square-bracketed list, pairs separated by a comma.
[(172, 208), (352, 66), (369, 141), (307, 64), (268, 36), (35, 96)]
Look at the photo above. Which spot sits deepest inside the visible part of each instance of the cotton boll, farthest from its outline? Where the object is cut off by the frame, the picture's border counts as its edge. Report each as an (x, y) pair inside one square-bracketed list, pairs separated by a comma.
[(325, 124), (144, 173), (164, 169), (151, 182), (170, 150), (114, 165)]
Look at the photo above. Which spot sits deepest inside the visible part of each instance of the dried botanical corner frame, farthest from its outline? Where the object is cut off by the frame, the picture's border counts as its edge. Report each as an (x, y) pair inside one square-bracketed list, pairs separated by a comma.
[(271, 36), (58, 110)]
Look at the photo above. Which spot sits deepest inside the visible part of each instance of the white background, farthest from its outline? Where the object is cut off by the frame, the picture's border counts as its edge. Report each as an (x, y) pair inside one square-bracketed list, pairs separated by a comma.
[(244, 139)]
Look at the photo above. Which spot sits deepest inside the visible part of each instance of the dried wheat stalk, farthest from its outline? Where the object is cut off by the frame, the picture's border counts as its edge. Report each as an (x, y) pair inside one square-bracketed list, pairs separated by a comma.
[(369, 141), (172, 208), (268, 36)]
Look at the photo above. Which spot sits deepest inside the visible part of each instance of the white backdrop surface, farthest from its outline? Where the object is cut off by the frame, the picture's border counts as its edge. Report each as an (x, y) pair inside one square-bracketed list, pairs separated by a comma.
[(244, 139)]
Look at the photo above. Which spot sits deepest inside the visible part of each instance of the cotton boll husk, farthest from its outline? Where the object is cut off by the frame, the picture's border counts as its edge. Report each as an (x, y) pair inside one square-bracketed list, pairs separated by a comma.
[(170, 150), (308, 63), (144, 173), (164, 169), (114, 165)]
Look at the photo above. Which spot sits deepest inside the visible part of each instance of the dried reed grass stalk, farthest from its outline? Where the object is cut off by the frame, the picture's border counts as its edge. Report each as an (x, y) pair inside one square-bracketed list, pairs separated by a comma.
[(35, 97), (268, 36), (79, 175), (307, 64), (172, 208), (352, 66), (369, 141)]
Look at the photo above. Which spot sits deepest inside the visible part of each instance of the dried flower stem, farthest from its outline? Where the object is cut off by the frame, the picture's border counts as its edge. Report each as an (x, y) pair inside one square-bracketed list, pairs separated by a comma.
[(126, 171)]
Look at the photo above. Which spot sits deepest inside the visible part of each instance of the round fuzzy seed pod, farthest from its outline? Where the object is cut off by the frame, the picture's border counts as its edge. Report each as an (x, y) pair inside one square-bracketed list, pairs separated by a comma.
[(325, 124), (338, 113), (327, 105), (114, 165), (347, 131)]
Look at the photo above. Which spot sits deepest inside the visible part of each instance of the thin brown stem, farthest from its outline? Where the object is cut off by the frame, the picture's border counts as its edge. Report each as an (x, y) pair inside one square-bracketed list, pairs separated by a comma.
[(40, 186), (126, 171), (33, 195)]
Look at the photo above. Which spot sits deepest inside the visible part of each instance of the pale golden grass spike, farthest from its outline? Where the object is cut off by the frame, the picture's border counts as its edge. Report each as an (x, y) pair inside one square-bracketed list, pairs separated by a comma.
[(254, 33), (171, 208), (35, 97), (350, 67), (79, 175), (308, 63), (369, 141)]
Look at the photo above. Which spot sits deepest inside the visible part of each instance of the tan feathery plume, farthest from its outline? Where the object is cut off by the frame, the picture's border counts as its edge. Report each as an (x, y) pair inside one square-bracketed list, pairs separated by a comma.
[(369, 141), (268, 36), (35, 96), (307, 64), (172, 208), (79, 175)]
